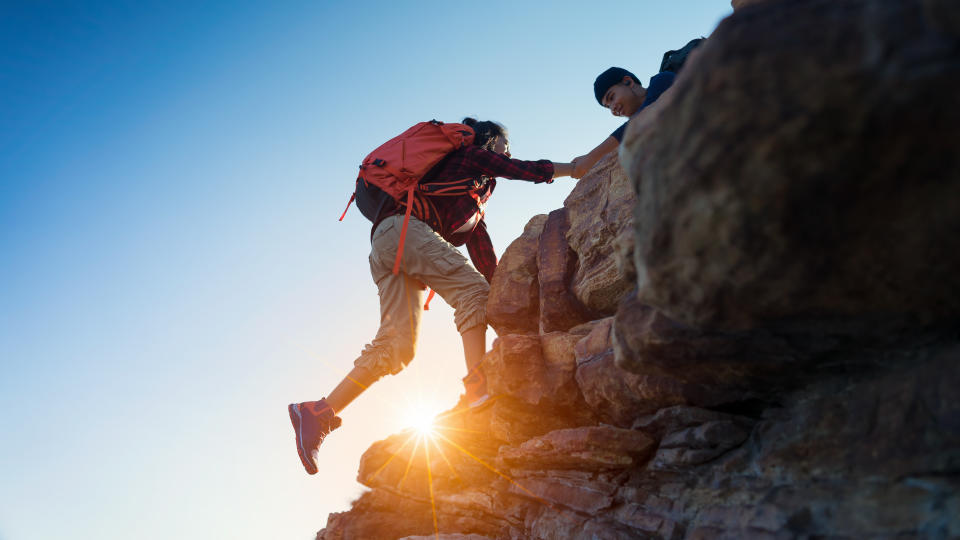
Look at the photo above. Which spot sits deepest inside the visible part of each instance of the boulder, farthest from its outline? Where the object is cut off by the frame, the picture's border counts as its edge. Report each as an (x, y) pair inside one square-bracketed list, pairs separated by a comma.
[(903, 422), (806, 163), (513, 303), (600, 210), (412, 464), (554, 522), (378, 519), (568, 489), (537, 370), (678, 419), (652, 524), (718, 367), (475, 513), (583, 448), (724, 366), (556, 262), (560, 362), (514, 367), (620, 397), (596, 341), (514, 421), (400, 464), (698, 445)]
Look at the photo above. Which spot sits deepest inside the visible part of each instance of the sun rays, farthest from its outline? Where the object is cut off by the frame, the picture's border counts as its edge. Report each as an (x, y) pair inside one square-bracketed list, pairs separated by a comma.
[(443, 444), (420, 419), (434, 454)]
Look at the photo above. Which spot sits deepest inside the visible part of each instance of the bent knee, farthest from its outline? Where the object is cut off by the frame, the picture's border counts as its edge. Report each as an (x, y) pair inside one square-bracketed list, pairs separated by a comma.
[(472, 312), (386, 358), (404, 354)]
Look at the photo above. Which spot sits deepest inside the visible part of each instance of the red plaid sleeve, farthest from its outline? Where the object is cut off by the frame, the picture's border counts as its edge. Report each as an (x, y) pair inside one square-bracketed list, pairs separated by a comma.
[(481, 251), (493, 164)]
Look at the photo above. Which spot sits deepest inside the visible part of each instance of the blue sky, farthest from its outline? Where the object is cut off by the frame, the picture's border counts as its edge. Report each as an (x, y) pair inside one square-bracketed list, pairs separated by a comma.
[(173, 272)]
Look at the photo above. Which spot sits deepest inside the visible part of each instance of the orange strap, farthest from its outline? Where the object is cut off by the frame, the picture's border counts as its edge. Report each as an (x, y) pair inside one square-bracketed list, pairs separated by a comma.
[(403, 231), (352, 197), (426, 305)]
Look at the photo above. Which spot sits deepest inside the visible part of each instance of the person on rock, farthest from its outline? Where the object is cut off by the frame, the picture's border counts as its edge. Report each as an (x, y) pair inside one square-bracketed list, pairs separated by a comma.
[(620, 91), (431, 258)]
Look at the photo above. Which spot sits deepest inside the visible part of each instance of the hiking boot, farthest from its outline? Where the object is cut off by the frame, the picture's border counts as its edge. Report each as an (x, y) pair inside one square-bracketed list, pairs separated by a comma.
[(312, 422), (476, 384)]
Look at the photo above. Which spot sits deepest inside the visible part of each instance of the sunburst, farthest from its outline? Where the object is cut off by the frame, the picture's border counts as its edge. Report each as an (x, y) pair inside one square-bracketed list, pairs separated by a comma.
[(420, 419), (427, 428)]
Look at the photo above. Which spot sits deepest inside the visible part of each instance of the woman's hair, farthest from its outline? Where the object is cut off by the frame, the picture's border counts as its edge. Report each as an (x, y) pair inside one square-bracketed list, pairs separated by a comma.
[(486, 132)]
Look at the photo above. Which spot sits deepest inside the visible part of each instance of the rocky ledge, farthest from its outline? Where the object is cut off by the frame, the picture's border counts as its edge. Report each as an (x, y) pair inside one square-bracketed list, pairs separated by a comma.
[(750, 333)]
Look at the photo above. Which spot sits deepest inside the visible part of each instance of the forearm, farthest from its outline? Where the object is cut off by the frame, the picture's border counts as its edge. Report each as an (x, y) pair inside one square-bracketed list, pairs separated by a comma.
[(585, 162), (562, 169), (608, 145)]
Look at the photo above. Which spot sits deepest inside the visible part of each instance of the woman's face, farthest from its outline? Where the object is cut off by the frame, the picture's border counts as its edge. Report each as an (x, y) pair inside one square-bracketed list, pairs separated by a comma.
[(502, 146)]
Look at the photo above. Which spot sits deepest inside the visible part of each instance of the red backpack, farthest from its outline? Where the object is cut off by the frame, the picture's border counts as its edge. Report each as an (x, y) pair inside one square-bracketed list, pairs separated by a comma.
[(397, 166)]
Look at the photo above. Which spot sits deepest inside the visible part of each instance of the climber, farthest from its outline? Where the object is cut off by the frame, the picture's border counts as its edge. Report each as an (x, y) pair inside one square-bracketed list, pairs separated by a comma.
[(620, 91), (429, 257)]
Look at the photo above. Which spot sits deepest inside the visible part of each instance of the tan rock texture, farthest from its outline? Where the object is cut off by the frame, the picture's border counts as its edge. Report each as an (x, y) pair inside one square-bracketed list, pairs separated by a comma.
[(583, 448), (600, 210)]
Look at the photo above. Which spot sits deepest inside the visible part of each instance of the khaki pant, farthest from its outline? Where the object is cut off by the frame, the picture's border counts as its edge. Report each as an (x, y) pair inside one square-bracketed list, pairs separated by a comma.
[(429, 259)]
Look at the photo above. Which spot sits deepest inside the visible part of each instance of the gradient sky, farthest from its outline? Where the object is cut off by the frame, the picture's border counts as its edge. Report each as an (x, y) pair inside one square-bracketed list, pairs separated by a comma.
[(173, 272)]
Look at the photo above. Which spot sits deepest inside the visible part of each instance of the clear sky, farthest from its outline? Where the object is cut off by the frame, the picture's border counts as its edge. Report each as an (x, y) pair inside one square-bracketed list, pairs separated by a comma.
[(172, 272)]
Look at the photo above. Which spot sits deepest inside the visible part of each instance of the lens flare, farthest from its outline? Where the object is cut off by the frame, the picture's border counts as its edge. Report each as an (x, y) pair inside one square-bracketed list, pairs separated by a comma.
[(420, 420)]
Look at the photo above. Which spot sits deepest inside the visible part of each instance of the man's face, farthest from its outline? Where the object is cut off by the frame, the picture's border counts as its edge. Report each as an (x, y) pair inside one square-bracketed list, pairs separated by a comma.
[(624, 98)]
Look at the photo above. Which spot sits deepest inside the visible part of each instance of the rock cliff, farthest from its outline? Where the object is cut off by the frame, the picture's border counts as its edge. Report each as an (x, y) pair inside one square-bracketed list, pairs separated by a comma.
[(753, 332)]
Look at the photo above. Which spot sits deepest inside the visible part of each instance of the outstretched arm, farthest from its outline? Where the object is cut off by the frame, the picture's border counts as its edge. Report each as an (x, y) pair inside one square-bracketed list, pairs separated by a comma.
[(477, 160), (585, 162)]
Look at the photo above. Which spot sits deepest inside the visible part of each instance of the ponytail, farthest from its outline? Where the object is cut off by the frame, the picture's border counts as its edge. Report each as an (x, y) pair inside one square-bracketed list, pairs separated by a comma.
[(485, 132)]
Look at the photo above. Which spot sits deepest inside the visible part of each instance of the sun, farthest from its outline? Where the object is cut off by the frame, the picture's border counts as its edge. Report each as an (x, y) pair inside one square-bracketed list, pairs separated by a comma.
[(420, 419), (423, 425)]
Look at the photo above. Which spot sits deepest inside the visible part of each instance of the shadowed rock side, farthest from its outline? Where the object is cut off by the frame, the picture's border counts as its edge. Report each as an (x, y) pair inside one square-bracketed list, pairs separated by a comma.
[(513, 304), (805, 165), (753, 334), (560, 309)]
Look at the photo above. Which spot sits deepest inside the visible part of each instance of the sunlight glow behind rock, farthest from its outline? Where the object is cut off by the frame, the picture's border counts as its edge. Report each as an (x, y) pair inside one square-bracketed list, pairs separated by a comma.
[(420, 419)]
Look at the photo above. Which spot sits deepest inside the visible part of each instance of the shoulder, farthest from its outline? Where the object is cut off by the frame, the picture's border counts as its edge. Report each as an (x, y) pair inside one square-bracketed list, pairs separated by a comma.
[(465, 154), (480, 156), (662, 79)]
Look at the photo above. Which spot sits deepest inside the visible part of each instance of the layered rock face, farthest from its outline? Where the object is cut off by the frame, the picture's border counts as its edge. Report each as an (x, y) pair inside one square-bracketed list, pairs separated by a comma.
[(753, 333)]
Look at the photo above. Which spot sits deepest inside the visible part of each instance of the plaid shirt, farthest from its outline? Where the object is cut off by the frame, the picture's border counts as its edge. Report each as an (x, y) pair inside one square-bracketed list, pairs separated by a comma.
[(447, 214)]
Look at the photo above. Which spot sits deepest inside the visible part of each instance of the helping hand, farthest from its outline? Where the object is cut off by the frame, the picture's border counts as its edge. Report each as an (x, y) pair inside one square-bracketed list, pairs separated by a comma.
[(580, 166)]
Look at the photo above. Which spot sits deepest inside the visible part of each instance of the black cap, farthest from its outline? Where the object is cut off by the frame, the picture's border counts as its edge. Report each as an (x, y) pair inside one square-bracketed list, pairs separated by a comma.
[(609, 78)]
